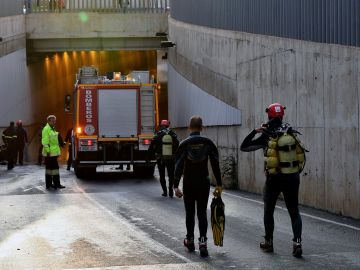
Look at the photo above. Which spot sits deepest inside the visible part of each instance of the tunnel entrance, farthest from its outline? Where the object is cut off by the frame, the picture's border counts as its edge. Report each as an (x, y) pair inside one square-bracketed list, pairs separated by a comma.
[(52, 77)]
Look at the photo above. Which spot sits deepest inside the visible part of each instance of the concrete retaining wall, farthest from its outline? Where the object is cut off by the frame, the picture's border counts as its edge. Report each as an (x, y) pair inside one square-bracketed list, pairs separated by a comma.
[(16, 101), (318, 83)]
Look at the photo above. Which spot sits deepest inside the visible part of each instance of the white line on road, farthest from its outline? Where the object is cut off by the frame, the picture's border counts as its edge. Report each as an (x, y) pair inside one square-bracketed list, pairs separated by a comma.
[(303, 214), (129, 226)]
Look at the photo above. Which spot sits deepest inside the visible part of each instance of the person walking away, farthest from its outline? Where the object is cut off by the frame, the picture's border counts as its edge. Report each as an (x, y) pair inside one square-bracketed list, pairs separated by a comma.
[(40, 156), (192, 162), (164, 145), (68, 139), (284, 160), (22, 140), (10, 140), (51, 152)]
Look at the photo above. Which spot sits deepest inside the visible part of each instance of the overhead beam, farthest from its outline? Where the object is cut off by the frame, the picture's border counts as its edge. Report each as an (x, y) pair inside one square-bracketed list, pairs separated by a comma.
[(93, 44)]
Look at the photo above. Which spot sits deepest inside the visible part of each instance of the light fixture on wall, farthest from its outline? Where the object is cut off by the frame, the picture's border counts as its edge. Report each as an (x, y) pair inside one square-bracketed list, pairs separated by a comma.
[(167, 44), (160, 34)]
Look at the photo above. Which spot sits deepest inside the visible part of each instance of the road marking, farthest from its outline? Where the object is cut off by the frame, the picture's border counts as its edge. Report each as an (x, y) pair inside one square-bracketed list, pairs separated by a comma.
[(194, 265), (131, 227), (303, 214)]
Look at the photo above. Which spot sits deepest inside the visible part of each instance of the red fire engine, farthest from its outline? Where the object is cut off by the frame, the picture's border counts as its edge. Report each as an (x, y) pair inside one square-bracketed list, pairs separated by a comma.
[(114, 121)]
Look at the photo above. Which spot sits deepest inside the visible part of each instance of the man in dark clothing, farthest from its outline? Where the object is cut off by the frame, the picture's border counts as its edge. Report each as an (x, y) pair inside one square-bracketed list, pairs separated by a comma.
[(22, 139), (40, 156), (164, 145), (10, 140), (278, 179), (192, 162), (69, 141)]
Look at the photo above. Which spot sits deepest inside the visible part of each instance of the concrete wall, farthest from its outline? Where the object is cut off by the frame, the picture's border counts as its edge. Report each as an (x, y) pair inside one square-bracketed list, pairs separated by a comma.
[(94, 31), (13, 72), (16, 102), (319, 84), (94, 25)]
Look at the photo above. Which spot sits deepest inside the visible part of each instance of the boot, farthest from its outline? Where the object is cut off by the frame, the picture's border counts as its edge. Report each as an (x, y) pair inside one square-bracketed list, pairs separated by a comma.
[(56, 179), (171, 192), (163, 186), (189, 243), (48, 181), (297, 249), (267, 245), (203, 247)]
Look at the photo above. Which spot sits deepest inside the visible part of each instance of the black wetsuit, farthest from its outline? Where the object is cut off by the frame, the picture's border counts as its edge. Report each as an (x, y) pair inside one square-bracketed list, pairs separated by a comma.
[(192, 162), (288, 184), (163, 162)]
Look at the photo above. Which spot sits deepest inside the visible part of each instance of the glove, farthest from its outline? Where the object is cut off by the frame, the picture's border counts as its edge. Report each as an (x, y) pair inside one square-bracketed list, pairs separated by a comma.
[(218, 191)]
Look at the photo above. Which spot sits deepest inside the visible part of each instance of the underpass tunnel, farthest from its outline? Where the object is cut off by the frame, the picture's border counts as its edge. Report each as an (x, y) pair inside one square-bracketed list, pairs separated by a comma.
[(52, 77)]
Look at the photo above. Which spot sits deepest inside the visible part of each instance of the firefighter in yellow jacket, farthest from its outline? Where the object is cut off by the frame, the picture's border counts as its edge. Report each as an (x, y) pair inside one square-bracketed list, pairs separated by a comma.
[(51, 152), (284, 160)]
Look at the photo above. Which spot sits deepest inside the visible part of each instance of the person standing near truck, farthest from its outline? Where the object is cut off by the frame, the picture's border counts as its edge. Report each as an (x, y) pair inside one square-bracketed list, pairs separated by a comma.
[(51, 152), (164, 145)]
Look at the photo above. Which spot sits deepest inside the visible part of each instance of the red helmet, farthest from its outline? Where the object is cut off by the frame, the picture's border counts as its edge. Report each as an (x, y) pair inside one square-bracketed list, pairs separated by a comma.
[(165, 123), (18, 122), (275, 110)]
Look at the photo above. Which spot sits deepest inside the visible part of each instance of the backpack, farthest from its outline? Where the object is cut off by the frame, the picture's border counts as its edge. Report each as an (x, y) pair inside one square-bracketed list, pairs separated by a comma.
[(284, 153), (167, 145)]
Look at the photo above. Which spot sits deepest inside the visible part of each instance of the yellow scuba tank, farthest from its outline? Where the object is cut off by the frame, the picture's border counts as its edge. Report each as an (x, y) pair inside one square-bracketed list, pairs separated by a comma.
[(167, 146), (300, 154), (284, 153), (271, 157), (288, 161)]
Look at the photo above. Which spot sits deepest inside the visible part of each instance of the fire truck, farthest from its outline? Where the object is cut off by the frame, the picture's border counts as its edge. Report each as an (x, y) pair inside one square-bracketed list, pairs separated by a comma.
[(115, 117)]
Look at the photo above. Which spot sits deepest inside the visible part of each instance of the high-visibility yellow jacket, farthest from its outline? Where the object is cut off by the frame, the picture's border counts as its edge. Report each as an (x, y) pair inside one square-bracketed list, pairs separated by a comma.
[(50, 141)]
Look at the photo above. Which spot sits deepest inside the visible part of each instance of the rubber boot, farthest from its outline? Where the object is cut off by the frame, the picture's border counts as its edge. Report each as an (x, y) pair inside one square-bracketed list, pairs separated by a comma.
[(171, 192), (48, 181), (297, 248), (189, 244), (56, 180), (203, 247), (267, 245), (163, 186)]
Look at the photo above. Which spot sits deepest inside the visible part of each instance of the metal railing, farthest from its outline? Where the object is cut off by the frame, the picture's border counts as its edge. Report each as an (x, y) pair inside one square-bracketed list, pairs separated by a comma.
[(123, 6), (11, 8), (327, 21)]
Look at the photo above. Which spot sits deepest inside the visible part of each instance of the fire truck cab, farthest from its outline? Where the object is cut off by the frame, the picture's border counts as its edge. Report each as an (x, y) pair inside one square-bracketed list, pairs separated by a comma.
[(114, 121)]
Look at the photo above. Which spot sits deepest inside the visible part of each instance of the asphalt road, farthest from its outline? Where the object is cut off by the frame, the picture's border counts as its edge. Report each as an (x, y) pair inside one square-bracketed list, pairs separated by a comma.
[(115, 221)]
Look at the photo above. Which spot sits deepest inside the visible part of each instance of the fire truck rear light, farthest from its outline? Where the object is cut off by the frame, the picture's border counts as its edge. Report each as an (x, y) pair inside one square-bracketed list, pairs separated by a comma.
[(146, 141), (88, 145), (117, 76), (78, 130)]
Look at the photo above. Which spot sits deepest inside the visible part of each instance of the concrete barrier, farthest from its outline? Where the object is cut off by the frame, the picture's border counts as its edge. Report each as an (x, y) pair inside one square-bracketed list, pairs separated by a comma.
[(317, 82)]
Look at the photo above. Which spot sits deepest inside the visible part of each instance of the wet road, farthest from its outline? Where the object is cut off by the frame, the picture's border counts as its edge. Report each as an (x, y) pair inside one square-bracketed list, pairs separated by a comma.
[(115, 221)]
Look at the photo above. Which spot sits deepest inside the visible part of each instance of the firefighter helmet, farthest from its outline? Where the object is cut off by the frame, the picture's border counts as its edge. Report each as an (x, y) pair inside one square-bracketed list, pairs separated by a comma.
[(165, 123), (275, 110)]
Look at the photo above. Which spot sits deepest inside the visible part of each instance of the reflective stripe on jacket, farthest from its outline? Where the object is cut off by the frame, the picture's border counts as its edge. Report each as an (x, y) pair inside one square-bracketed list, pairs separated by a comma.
[(50, 141)]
